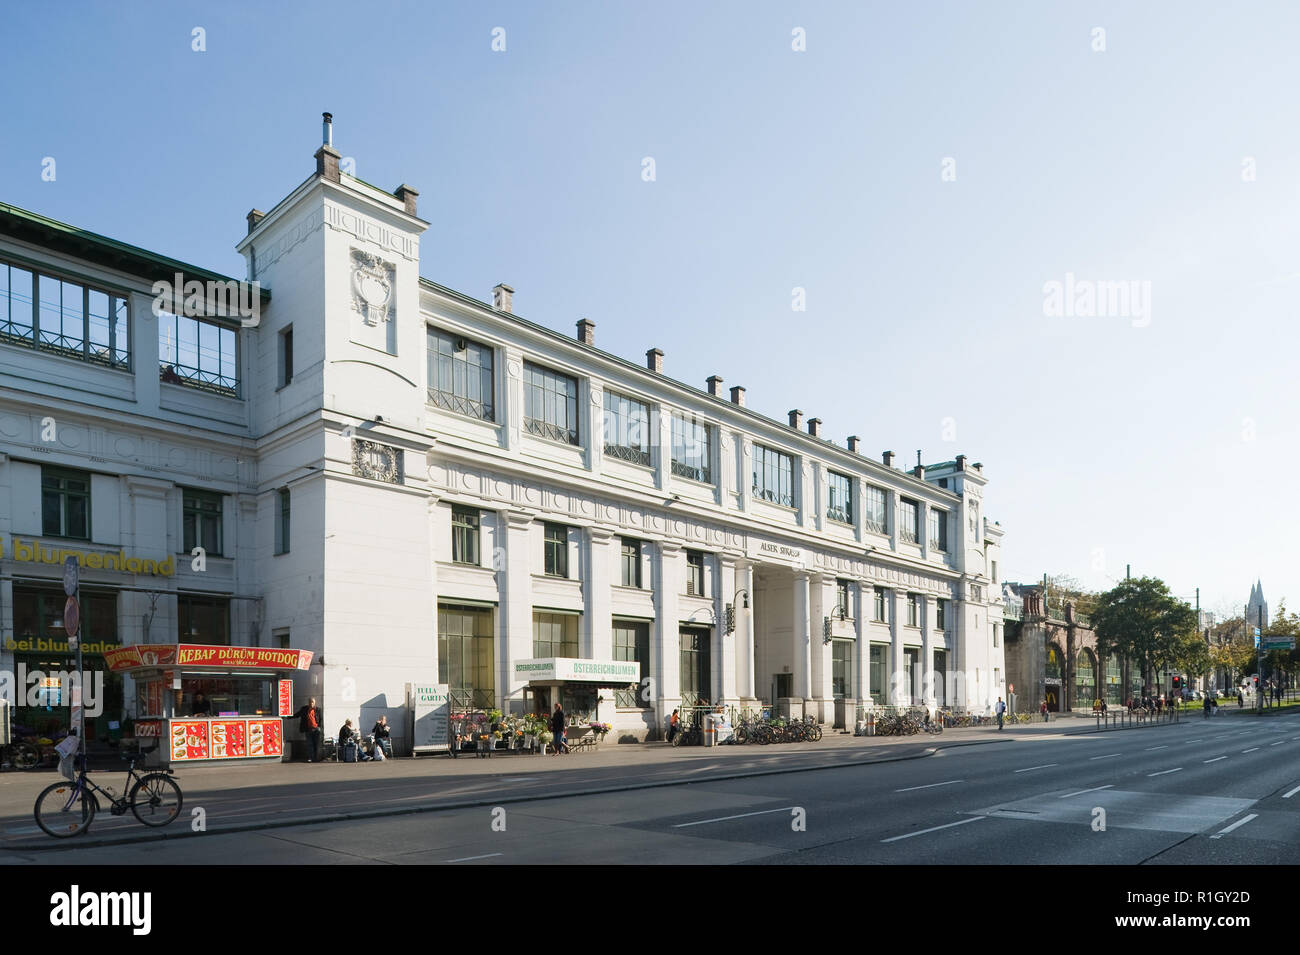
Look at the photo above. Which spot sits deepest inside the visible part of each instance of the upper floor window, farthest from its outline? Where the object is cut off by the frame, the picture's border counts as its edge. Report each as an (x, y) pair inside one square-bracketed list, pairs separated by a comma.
[(695, 573), (201, 520), (913, 610), (198, 353), (692, 449), (460, 375), (65, 318), (839, 497), (941, 615), (842, 597), (65, 503), (630, 561), (879, 606), (550, 404), (994, 571), (286, 356), (555, 634), (203, 619), (282, 521), (465, 525), (556, 550), (907, 520), (773, 476), (938, 529), (627, 428), (873, 510)]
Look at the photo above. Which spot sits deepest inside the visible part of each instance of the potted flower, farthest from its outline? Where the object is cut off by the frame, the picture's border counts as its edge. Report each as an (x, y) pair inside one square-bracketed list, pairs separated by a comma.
[(600, 729), (543, 738)]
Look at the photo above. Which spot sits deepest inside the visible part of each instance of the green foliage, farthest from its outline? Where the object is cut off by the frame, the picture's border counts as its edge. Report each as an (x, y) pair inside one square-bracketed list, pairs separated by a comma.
[(1140, 619)]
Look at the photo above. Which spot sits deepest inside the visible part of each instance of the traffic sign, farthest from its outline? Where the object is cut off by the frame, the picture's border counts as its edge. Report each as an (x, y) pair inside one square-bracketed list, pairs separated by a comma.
[(71, 576), (1277, 643), (71, 618)]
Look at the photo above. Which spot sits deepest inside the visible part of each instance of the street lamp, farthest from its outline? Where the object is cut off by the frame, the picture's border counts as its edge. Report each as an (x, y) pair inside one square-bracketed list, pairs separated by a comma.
[(731, 608)]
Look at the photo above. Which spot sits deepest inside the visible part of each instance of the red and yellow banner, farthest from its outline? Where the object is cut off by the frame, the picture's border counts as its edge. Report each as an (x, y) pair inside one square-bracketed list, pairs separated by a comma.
[(203, 656)]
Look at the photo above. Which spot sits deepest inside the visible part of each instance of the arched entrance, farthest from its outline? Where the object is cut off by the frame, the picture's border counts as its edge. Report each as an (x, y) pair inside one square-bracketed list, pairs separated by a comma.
[(1114, 681), (1052, 681), (1085, 680)]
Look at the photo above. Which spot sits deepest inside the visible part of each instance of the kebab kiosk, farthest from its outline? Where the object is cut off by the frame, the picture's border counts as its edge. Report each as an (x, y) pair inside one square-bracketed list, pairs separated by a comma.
[(210, 703)]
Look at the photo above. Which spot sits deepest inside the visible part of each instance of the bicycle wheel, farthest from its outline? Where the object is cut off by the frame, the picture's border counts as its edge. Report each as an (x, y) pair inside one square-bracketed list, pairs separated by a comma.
[(156, 799), (816, 733), (62, 810), (26, 756)]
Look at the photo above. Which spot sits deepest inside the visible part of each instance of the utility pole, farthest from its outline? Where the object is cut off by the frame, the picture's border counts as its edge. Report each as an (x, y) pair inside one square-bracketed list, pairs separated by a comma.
[(1259, 663)]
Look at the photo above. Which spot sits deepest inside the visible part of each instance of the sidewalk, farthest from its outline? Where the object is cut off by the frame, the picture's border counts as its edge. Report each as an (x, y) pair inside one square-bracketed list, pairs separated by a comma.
[(254, 796)]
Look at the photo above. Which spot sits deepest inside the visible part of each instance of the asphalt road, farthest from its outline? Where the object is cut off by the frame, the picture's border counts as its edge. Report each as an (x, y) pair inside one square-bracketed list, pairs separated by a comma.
[(1205, 792)]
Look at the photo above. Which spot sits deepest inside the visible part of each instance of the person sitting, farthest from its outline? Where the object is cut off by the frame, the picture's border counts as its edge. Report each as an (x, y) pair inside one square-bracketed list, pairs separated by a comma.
[(674, 726), (201, 706), (383, 738), (349, 735)]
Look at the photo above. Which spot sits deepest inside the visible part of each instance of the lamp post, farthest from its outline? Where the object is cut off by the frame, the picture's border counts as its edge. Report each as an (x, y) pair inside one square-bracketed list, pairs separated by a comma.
[(731, 609)]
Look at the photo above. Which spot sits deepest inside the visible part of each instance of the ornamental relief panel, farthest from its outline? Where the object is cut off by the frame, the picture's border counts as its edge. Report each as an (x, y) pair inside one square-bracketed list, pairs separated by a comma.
[(376, 462)]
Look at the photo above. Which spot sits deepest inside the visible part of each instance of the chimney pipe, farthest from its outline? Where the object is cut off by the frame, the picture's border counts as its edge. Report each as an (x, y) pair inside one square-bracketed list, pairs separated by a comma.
[(586, 331), (503, 298), (327, 129), (327, 157), (919, 471), (796, 419), (888, 458), (961, 462), (714, 383), (408, 197), (855, 444), (654, 360), (815, 427), (738, 395), (254, 217)]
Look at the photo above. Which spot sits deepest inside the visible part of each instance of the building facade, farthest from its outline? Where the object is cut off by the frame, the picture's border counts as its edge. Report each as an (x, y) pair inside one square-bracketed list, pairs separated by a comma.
[(420, 487)]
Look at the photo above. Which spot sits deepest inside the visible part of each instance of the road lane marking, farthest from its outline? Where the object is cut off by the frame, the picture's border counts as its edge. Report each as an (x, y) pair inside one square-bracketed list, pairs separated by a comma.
[(1251, 750), (472, 858), (1152, 749), (929, 786), (1291, 793), (743, 815), (1197, 740), (933, 829), (1032, 768), (1082, 791), (1108, 756), (1236, 825), (1215, 760), (1165, 772), (1278, 743)]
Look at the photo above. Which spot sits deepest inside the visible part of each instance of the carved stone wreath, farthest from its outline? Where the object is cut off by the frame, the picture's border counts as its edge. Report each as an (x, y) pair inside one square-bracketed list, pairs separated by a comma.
[(373, 280), (377, 462)]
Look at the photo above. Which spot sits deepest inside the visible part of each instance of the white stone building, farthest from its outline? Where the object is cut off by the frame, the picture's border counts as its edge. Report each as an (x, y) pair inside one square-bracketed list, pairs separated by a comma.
[(421, 487)]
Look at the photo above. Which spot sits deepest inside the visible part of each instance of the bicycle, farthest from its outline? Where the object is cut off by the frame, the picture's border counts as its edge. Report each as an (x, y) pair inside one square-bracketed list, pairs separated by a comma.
[(20, 755), (67, 808)]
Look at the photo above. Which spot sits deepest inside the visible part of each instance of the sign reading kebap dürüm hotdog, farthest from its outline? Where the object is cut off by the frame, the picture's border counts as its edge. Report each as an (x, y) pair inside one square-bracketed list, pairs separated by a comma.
[(209, 657)]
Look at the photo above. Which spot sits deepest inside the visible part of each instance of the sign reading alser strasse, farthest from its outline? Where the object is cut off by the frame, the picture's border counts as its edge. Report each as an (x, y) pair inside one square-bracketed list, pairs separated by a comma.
[(553, 669)]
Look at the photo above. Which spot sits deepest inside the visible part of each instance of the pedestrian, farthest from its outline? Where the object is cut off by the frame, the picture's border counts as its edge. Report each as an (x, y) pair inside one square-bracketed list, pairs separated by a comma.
[(674, 726), (1207, 706), (1241, 700), (557, 730), (1042, 708), (1000, 710), (309, 721)]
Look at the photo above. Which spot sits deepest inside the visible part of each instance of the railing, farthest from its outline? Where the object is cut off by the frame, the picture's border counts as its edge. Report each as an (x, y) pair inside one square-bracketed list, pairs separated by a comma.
[(551, 432), (1013, 611), (625, 453), (191, 377), (461, 405), (691, 472), (1122, 718), (907, 536), (876, 527), (775, 497), (839, 514)]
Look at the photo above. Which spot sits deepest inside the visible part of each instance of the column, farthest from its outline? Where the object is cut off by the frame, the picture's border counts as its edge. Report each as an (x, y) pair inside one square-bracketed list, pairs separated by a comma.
[(725, 642), (899, 692), (513, 411), (515, 615), (800, 635), (927, 652), (923, 532), (822, 592), (862, 678), (891, 512), (744, 635), (597, 636), (665, 648)]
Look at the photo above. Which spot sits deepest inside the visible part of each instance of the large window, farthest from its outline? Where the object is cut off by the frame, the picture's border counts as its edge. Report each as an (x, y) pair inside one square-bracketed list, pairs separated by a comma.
[(938, 529), (941, 616), (630, 562), (873, 510), (65, 503), (773, 476), (550, 404), (198, 353), (632, 642), (841, 668), (879, 674), (203, 619), (913, 610), (201, 520), (65, 318), (839, 497), (465, 654), (465, 535), (1085, 680), (460, 375), (695, 573), (1114, 680), (880, 606), (556, 547), (842, 598), (908, 529), (692, 449), (941, 677), (695, 671), (282, 521), (555, 634), (627, 428)]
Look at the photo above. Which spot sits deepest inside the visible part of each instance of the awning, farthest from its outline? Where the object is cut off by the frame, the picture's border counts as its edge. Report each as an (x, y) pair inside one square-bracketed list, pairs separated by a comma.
[(568, 670), (200, 657)]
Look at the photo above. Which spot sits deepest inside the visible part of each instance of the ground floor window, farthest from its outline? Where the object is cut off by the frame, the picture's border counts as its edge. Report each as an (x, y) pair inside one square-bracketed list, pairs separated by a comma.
[(632, 642), (465, 654), (555, 634), (879, 673), (941, 677), (911, 674), (841, 668), (694, 665), (1114, 681), (1085, 683)]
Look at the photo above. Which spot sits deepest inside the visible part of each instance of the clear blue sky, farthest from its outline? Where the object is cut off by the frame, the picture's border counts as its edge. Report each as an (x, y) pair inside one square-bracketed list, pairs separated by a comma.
[(1165, 446)]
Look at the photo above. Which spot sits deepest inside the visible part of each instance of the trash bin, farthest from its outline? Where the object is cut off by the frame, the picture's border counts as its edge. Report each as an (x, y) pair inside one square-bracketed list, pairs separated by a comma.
[(711, 729)]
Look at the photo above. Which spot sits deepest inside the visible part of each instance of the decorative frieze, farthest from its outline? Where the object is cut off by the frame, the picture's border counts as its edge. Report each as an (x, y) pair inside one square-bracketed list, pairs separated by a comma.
[(376, 462)]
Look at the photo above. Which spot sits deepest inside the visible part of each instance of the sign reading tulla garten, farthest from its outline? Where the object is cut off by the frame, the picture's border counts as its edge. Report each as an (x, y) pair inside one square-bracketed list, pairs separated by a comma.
[(555, 669)]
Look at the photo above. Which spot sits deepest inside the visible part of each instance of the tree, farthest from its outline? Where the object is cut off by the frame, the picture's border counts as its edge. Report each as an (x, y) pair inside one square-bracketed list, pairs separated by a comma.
[(1139, 619), (1192, 656), (1063, 589)]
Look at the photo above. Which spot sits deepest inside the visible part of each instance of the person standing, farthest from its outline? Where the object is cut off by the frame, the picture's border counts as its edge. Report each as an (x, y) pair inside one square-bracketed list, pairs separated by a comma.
[(1000, 709), (1042, 708), (674, 725), (1241, 701), (557, 730), (309, 721)]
